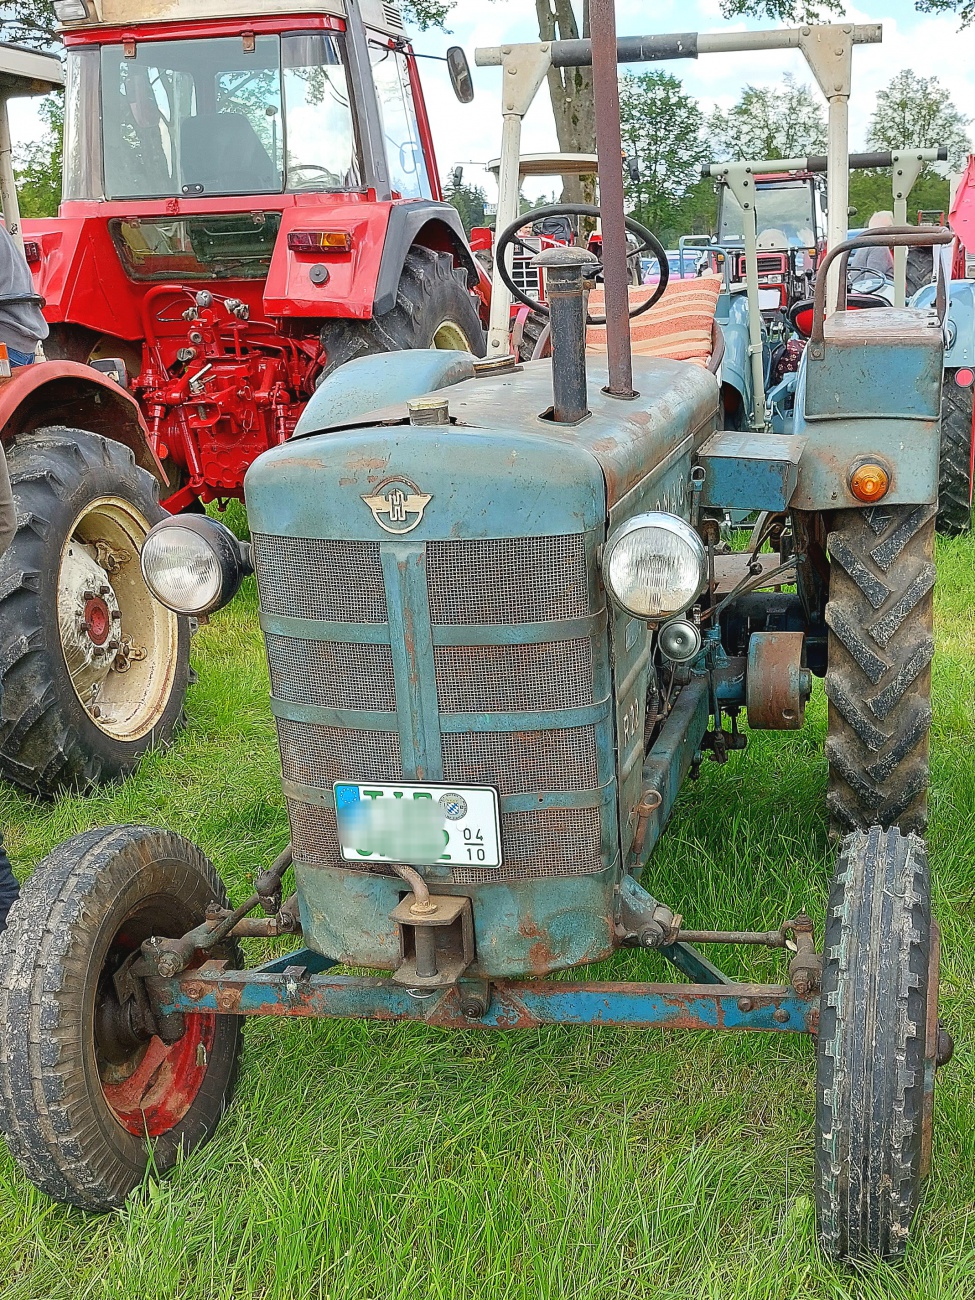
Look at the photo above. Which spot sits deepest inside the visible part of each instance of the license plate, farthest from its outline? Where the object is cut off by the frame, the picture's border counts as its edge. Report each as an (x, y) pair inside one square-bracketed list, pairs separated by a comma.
[(419, 824)]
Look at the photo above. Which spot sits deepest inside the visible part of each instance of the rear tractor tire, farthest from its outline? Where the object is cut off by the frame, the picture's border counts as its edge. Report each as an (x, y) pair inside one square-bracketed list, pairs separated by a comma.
[(955, 477), (878, 679), (434, 309), (93, 670), (90, 1094), (877, 1046)]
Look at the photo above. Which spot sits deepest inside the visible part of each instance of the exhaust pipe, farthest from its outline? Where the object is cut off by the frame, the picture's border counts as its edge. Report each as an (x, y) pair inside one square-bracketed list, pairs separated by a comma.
[(566, 290)]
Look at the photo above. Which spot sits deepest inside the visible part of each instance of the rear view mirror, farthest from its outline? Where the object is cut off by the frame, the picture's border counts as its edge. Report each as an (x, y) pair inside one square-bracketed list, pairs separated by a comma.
[(460, 74)]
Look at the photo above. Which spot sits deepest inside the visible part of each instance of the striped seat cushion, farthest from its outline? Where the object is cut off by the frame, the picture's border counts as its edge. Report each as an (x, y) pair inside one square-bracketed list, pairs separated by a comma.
[(679, 327)]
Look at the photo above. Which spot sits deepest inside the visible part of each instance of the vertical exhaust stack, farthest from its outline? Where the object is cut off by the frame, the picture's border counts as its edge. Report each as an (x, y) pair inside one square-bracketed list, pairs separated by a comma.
[(609, 148), (566, 288)]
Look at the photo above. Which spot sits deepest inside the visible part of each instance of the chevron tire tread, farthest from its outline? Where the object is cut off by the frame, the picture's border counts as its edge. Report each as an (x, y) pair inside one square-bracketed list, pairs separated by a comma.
[(955, 474), (870, 1045), (48, 741), (878, 681)]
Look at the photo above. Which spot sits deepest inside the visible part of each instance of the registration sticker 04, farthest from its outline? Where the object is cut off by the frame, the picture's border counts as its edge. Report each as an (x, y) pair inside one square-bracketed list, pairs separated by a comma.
[(422, 825)]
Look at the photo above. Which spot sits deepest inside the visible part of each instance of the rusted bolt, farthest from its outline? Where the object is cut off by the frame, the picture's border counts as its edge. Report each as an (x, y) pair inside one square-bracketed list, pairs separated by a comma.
[(472, 1008), (193, 991), (780, 1014), (745, 1004), (169, 964)]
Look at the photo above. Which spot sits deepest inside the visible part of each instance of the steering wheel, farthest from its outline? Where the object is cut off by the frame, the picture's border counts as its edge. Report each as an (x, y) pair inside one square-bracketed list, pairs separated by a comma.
[(330, 176), (648, 240), (865, 281)]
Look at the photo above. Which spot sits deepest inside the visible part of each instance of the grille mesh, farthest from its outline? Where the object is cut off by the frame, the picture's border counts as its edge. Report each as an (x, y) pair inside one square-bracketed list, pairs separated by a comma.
[(551, 842), (312, 754), (522, 762), (508, 580), (331, 674), (507, 678), (311, 578)]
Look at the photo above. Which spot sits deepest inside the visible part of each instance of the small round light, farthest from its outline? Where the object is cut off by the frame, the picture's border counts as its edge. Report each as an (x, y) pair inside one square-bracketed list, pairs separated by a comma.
[(964, 377), (655, 566), (869, 482), (192, 565)]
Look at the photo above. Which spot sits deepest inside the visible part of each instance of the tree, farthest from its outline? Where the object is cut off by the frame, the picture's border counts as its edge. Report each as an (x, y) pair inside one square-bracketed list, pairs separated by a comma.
[(870, 192), (570, 90), (37, 166), (785, 121), (29, 22), (661, 128), (467, 199), (917, 112)]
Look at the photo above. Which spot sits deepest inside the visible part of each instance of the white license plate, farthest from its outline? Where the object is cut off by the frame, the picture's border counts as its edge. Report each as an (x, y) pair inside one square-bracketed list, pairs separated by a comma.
[(456, 825)]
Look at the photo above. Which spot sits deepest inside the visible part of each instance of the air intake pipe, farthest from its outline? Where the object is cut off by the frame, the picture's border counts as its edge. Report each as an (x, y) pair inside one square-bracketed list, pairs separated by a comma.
[(566, 290)]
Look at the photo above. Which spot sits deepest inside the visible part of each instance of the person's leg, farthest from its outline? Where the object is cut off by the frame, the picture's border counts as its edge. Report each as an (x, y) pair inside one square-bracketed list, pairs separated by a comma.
[(17, 358), (9, 889)]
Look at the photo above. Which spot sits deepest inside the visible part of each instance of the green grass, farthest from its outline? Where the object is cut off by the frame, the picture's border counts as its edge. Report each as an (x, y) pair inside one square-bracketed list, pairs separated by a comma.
[(363, 1161)]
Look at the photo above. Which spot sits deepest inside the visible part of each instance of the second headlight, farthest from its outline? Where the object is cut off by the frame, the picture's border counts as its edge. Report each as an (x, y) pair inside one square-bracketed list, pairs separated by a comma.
[(192, 564), (655, 566)]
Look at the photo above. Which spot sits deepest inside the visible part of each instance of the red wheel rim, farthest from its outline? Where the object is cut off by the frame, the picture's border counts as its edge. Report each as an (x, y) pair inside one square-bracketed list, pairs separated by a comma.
[(166, 1082)]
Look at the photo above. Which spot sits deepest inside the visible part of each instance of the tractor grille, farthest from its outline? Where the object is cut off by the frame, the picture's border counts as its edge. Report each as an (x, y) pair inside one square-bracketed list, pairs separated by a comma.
[(525, 276), (484, 584)]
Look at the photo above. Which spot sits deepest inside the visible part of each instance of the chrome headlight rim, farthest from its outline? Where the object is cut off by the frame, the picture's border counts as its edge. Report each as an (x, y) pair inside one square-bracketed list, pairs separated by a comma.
[(231, 556), (663, 521)]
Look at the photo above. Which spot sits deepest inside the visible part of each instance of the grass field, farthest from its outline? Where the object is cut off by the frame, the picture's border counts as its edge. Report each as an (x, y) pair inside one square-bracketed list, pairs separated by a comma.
[(384, 1162)]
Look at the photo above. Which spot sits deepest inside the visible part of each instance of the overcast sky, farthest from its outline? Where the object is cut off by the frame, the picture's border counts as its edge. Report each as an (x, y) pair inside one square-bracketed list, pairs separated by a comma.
[(930, 46)]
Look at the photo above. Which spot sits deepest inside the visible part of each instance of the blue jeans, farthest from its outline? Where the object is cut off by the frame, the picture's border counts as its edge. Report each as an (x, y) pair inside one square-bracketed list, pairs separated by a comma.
[(19, 358), (9, 890)]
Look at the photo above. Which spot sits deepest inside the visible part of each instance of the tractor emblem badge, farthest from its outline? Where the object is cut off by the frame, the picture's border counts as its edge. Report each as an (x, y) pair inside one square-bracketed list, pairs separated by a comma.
[(397, 505)]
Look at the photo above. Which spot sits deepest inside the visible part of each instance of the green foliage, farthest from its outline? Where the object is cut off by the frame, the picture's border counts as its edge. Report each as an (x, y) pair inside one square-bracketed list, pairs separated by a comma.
[(918, 111), (29, 22), (37, 165), (661, 128), (467, 199), (784, 121), (427, 13), (870, 192)]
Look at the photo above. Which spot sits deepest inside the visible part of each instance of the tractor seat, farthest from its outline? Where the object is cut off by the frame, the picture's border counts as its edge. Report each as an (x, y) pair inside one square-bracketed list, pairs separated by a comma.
[(223, 153), (680, 327), (801, 313)]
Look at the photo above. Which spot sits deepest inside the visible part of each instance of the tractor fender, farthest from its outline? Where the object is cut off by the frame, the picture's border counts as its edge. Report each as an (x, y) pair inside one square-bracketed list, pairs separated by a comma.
[(380, 380), (960, 350), (431, 225), (736, 371), (65, 392)]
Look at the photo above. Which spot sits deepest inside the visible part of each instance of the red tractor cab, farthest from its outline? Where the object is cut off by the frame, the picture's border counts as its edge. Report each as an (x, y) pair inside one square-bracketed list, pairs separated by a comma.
[(250, 199)]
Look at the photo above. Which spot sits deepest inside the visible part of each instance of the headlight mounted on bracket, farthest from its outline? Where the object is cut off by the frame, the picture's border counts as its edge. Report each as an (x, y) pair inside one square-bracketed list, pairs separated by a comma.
[(654, 566), (194, 565)]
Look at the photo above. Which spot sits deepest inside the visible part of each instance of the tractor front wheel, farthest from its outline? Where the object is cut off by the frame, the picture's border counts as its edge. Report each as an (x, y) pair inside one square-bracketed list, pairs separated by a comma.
[(957, 437), (872, 1045), (878, 678), (90, 1093), (94, 671)]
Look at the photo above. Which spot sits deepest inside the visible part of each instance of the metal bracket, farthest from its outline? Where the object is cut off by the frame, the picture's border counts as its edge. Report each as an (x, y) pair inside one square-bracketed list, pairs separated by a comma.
[(829, 53)]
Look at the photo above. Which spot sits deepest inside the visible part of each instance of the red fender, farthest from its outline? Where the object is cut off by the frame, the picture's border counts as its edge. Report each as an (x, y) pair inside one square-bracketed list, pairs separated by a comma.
[(65, 392)]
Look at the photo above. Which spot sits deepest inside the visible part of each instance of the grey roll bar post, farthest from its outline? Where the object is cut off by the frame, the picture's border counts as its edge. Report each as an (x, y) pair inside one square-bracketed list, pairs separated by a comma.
[(827, 49)]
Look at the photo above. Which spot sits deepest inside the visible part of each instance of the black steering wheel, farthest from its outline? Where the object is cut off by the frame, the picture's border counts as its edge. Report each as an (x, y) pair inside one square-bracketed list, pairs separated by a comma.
[(865, 282), (648, 240)]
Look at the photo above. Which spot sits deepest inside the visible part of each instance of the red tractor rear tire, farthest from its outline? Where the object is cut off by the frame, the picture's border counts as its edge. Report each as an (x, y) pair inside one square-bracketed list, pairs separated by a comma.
[(434, 309)]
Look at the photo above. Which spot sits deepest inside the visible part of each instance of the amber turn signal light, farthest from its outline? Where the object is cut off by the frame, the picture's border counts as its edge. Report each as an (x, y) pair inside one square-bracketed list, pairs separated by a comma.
[(869, 482), (319, 241)]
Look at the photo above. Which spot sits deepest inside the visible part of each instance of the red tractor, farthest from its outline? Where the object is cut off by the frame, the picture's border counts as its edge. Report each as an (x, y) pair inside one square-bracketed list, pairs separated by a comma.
[(250, 200)]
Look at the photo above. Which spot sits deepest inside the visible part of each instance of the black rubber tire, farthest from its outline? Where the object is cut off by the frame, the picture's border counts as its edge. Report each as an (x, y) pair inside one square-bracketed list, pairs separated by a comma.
[(878, 679), (53, 1113), (431, 291), (870, 1046), (919, 271), (48, 740), (955, 478), (535, 326)]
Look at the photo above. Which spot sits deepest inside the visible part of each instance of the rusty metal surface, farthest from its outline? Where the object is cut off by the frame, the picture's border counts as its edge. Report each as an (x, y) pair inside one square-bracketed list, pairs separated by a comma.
[(777, 686), (514, 1004), (606, 97), (730, 570)]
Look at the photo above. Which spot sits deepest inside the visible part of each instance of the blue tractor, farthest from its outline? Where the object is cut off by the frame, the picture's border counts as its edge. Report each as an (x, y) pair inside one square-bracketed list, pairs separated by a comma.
[(499, 641)]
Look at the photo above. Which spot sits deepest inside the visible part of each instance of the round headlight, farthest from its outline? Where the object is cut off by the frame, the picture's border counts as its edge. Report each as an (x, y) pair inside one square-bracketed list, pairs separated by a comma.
[(192, 564), (655, 566)]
